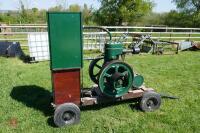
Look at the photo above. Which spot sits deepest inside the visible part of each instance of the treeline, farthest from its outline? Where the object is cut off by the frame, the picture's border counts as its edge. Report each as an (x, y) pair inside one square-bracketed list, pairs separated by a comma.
[(36, 16), (173, 18), (115, 12)]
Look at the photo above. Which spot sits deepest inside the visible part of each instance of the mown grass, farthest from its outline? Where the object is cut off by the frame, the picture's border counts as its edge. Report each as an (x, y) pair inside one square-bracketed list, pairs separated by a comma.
[(25, 98)]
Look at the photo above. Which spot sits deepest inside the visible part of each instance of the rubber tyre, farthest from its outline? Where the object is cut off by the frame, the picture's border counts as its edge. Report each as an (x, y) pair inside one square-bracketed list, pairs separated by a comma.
[(66, 114), (150, 101)]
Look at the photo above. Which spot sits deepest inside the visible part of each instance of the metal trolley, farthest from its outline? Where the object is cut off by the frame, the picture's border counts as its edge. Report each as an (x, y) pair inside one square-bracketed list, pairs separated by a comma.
[(114, 79)]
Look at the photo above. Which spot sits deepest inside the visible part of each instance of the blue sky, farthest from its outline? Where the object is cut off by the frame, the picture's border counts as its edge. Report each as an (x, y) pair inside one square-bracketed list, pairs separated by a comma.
[(161, 5)]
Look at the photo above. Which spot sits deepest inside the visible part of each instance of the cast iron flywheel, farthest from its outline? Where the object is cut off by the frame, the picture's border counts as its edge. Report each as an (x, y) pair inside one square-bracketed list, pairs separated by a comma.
[(115, 78), (95, 68)]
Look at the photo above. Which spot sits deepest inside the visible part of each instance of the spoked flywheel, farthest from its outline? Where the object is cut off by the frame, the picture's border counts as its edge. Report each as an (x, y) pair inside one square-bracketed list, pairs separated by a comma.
[(115, 78), (95, 68)]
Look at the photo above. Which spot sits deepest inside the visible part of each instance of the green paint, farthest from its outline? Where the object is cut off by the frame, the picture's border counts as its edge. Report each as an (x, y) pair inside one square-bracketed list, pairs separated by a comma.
[(65, 39), (116, 79), (113, 50), (138, 81)]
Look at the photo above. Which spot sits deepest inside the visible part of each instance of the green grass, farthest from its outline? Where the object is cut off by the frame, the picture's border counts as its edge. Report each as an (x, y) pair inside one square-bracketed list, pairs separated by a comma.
[(25, 96)]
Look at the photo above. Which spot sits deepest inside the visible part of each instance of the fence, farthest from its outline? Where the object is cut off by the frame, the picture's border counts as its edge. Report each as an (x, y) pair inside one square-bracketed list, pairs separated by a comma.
[(35, 36), (20, 32)]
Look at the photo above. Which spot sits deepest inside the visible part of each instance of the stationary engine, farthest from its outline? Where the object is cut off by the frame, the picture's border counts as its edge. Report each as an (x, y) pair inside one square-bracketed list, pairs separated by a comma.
[(113, 76)]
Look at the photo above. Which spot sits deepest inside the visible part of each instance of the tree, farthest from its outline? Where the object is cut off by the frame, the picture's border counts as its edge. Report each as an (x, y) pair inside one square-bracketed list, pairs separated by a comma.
[(188, 5), (23, 12), (191, 8), (153, 19), (184, 20), (87, 14), (35, 10), (60, 6), (117, 12), (74, 8), (56, 8)]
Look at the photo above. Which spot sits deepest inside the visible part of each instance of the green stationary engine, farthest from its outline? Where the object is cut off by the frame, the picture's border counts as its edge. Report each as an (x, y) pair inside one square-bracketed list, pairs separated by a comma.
[(114, 77), (112, 51)]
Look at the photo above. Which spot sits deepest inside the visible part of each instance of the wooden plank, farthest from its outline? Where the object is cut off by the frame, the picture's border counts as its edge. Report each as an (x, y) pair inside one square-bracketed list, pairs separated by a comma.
[(133, 94), (89, 101), (100, 99)]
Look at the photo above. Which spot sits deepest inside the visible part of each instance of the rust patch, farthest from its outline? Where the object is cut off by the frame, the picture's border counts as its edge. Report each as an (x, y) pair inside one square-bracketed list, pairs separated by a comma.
[(13, 122)]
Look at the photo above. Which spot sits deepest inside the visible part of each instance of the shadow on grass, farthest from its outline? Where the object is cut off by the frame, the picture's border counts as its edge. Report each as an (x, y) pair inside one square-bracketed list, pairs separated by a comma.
[(40, 99), (133, 105), (34, 97)]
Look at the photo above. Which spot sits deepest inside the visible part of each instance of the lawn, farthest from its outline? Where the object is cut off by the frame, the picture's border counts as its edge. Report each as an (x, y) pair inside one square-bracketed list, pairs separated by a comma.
[(25, 98)]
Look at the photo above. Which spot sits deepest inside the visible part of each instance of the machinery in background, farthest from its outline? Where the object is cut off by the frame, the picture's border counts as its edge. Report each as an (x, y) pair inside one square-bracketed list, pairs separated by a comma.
[(144, 43)]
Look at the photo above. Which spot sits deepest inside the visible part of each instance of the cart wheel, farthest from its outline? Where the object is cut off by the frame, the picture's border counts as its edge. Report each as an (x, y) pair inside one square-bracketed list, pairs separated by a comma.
[(150, 101), (66, 114)]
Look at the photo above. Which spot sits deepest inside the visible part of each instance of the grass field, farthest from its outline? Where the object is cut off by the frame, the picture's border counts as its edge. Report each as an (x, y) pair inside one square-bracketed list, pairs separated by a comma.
[(25, 98)]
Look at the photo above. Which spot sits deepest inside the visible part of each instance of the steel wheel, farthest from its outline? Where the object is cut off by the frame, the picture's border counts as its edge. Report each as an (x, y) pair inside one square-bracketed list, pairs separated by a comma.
[(115, 78), (94, 69)]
